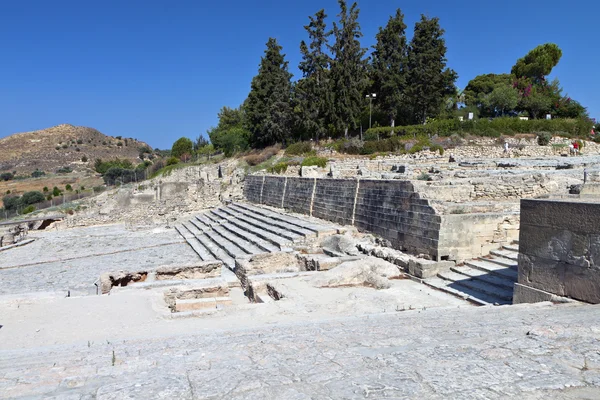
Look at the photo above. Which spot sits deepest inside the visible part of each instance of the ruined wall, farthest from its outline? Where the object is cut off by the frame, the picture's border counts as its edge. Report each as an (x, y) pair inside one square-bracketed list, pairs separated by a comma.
[(390, 209), (559, 251)]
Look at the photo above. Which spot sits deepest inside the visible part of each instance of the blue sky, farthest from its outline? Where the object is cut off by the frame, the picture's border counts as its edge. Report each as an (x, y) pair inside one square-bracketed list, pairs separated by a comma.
[(159, 70)]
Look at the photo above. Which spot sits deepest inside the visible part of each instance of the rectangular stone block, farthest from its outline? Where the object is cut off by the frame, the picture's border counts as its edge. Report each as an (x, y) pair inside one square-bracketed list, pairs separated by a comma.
[(541, 273), (583, 283)]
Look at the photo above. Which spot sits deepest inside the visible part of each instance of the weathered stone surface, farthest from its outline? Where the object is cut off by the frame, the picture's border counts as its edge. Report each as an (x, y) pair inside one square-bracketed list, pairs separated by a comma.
[(199, 270), (560, 248), (341, 244), (368, 272)]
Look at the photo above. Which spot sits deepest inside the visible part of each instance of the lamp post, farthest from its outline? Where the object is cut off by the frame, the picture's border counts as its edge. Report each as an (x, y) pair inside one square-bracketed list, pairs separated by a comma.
[(371, 97)]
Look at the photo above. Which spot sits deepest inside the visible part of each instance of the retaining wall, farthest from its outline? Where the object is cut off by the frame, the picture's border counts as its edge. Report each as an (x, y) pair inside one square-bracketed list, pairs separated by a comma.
[(559, 251)]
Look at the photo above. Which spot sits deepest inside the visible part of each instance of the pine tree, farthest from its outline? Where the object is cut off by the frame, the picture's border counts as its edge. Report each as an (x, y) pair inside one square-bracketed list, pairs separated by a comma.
[(312, 91), (348, 69), (268, 108), (389, 66), (429, 81)]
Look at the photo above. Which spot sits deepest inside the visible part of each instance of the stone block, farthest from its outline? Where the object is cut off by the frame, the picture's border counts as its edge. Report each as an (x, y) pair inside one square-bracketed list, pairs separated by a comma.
[(195, 304), (426, 269), (526, 294), (541, 273), (200, 270), (583, 283)]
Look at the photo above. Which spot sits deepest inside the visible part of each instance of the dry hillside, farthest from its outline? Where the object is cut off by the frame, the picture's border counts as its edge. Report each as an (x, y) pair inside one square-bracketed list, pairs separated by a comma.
[(63, 145)]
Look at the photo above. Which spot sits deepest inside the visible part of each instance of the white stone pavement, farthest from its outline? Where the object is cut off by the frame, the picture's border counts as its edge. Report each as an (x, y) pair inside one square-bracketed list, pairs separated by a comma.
[(539, 351)]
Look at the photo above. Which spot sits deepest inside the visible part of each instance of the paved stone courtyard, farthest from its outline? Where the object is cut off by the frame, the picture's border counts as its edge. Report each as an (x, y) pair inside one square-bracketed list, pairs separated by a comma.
[(531, 352), (349, 342)]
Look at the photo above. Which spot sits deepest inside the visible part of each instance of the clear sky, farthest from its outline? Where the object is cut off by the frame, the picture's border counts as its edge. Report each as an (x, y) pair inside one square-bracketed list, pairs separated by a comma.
[(159, 70)]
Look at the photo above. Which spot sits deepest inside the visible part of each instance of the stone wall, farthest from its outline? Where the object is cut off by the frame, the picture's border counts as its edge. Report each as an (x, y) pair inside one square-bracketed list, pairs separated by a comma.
[(334, 200), (559, 248)]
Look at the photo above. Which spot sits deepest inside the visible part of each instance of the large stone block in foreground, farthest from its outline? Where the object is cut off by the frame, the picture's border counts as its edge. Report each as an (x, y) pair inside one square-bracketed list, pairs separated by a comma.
[(559, 248)]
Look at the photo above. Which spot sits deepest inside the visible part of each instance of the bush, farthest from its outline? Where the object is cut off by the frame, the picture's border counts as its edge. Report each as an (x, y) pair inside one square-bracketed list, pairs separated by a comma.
[(29, 209), (119, 144), (544, 138), (172, 161), (119, 175), (182, 146), (437, 147), (102, 166), (424, 177), (37, 173), (278, 168), (299, 149), (262, 156), (99, 189), (84, 159), (11, 202), (56, 192), (69, 188), (32, 197), (79, 141), (65, 146), (64, 170), (318, 161), (7, 176)]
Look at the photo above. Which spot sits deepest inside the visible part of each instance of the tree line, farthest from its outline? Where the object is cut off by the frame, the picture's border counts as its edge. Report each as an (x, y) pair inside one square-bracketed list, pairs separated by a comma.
[(410, 78)]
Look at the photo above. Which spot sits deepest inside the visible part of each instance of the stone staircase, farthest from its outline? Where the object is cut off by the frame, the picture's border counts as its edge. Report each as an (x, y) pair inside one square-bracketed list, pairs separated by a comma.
[(241, 229), (484, 281)]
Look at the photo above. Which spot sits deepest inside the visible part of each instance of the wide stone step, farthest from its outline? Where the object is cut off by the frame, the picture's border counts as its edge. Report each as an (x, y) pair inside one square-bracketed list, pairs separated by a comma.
[(276, 240), (289, 219), (443, 285), (216, 250), (486, 277), (203, 222), (225, 244), (493, 268), (243, 244), (192, 240), (274, 222), (266, 226), (511, 255), (511, 247), (262, 244), (476, 286), (503, 261)]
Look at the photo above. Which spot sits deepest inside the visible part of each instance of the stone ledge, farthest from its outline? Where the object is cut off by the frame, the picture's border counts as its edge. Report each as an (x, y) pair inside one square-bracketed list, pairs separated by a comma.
[(527, 294)]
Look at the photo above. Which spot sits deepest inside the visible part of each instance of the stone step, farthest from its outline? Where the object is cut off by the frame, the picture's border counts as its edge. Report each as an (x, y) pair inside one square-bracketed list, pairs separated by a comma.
[(503, 261), (486, 277), (493, 268), (207, 222), (243, 244), (442, 284), (192, 240), (274, 222), (276, 240), (261, 224), (317, 228), (199, 225), (511, 247), (474, 286), (225, 244), (216, 250), (263, 244), (511, 255)]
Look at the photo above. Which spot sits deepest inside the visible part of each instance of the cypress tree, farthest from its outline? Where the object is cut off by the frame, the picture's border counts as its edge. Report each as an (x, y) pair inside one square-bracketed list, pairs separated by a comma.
[(429, 81), (389, 66), (348, 69), (312, 91), (268, 108)]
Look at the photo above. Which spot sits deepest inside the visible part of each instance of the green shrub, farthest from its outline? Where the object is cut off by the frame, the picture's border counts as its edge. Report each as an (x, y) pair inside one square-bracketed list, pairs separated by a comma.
[(424, 177), (102, 166), (37, 173), (56, 192), (415, 149), (32, 197), (79, 141), (299, 149), (318, 161), (278, 168), (172, 161), (64, 170), (8, 192), (99, 189), (544, 138), (7, 176), (11, 202), (65, 146), (84, 159), (29, 209), (69, 187), (437, 147)]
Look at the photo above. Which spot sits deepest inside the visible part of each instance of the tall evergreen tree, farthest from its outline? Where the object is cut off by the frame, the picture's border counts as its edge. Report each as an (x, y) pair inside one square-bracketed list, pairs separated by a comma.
[(312, 91), (268, 108), (348, 69), (429, 81), (389, 66)]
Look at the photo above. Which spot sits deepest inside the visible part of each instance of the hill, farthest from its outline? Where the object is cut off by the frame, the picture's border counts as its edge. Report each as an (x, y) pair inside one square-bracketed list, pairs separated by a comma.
[(63, 146)]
